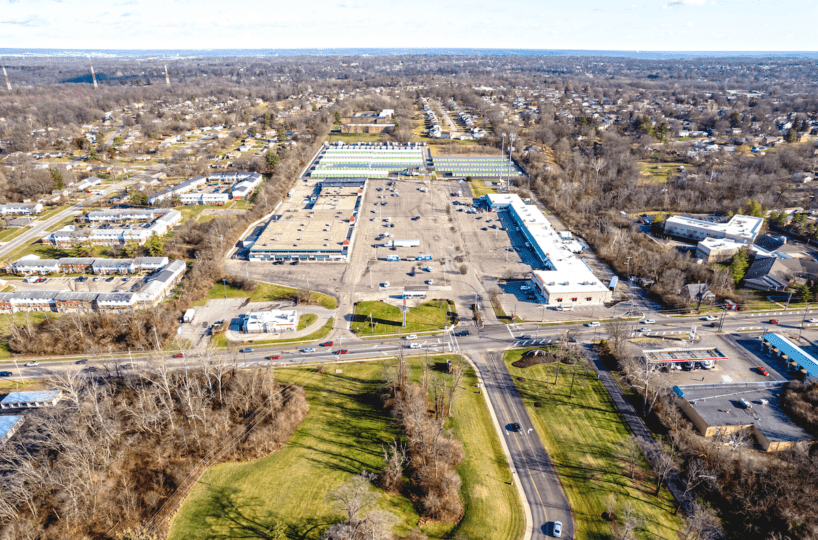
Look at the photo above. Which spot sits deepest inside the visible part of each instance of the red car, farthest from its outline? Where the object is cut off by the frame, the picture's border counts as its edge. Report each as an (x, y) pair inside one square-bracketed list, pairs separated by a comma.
[(273, 357), (762, 371), (342, 351), (327, 344), (178, 355), (773, 321)]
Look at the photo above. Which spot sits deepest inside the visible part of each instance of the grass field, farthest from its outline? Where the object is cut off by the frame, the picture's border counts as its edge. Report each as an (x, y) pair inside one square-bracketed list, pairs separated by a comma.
[(479, 188), (6, 235), (583, 435), (306, 320), (342, 435), (660, 172), (264, 293), (387, 319)]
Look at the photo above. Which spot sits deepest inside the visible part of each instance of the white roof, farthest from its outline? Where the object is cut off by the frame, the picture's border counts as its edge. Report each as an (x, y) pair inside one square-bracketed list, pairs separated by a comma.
[(739, 226)]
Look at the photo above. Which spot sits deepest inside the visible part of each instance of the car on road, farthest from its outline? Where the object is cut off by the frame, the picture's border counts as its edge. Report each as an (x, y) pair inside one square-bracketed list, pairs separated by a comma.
[(644, 330), (710, 318), (813, 320), (83, 361), (327, 344), (515, 427), (178, 355), (648, 321), (411, 336), (32, 364), (5, 373), (91, 369), (308, 349), (525, 336), (773, 321), (462, 333), (247, 350), (342, 351), (273, 357), (762, 371), (556, 530), (592, 324)]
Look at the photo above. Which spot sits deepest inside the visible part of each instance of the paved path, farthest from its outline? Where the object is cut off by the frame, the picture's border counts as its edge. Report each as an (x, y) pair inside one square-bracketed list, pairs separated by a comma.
[(650, 448)]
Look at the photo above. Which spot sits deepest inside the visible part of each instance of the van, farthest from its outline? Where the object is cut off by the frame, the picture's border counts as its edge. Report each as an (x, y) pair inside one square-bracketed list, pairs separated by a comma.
[(414, 346)]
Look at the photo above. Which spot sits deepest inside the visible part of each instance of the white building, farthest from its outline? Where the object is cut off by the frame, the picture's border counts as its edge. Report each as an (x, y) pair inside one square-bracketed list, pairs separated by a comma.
[(566, 281), (88, 183), (271, 321), (21, 209), (717, 249), (739, 228)]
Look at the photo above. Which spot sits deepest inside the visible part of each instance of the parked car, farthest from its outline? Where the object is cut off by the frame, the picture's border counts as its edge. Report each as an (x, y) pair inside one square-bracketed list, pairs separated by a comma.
[(33, 363), (385, 284), (273, 357), (525, 288), (762, 371)]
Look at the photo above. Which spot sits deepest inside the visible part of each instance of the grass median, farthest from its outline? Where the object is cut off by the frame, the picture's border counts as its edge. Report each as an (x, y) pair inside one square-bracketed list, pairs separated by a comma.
[(380, 318), (220, 340), (343, 434), (585, 435)]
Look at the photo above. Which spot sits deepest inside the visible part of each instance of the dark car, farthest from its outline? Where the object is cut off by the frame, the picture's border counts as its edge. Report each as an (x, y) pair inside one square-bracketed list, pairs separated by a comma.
[(462, 333), (273, 357), (83, 361), (91, 369), (327, 344), (247, 350), (178, 355), (5, 373), (515, 427)]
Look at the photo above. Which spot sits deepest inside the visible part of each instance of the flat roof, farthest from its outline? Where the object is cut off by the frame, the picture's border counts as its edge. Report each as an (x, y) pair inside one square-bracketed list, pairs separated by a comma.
[(718, 405), (28, 397), (793, 352), (738, 226), (309, 226), (7, 423), (684, 355)]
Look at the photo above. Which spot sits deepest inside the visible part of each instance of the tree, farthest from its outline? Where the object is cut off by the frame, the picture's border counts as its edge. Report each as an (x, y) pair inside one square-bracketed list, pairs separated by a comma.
[(738, 267), (282, 134), (791, 136), (92, 155), (657, 226), (353, 497), (755, 209), (337, 117), (57, 176), (154, 246), (802, 293), (272, 160)]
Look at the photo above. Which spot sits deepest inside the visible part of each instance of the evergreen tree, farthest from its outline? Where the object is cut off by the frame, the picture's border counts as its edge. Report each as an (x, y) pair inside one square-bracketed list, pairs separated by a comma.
[(739, 265)]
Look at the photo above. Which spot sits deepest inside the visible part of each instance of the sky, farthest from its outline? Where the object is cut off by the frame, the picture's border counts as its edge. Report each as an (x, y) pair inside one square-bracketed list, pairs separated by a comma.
[(632, 25)]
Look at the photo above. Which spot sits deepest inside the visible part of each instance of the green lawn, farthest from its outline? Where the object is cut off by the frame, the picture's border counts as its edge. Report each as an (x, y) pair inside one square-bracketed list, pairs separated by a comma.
[(11, 233), (479, 188), (387, 319), (264, 293), (342, 435), (52, 211), (583, 435), (661, 172), (501, 314), (306, 320)]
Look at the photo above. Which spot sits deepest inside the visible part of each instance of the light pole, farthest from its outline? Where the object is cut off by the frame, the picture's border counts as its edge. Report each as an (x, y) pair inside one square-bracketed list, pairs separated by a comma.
[(157, 338), (224, 282)]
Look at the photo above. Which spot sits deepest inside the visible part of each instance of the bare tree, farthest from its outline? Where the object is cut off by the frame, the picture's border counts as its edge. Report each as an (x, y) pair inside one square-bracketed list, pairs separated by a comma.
[(353, 496)]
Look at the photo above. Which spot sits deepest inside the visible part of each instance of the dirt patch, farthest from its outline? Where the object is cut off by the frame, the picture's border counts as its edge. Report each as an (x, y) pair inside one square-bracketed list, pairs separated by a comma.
[(480, 492)]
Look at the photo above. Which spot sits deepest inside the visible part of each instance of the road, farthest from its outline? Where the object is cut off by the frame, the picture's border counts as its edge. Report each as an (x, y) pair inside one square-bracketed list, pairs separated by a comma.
[(40, 227)]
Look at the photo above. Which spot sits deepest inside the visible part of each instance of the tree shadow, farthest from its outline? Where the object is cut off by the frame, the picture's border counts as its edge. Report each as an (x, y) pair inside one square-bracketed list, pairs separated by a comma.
[(231, 515)]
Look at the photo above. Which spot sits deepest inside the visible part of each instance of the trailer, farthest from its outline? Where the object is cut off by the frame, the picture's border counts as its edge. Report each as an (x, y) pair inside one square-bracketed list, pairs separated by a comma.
[(402, 243), (392, 258), (424, 257), (291, 192), (188, 316)]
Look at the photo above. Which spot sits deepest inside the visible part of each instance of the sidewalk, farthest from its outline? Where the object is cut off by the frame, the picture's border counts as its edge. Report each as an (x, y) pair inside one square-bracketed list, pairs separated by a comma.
[(650, 448)]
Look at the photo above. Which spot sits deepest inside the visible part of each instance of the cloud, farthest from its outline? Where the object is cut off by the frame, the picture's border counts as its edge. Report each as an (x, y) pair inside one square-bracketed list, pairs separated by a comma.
[(29, 22), (681, 3)]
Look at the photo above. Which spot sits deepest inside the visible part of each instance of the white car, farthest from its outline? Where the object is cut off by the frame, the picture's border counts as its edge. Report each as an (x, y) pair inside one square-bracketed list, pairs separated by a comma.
[(525, 288), (385, 284), (592, 324), (32, 364), (428, 269), (711, 318), (648, 321), (309, 349), (429, 281), (813, 320), (411, 336)]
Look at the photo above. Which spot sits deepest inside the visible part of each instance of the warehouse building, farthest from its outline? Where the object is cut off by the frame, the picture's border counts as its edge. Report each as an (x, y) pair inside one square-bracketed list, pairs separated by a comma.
[(743, 229), (719, 410), (566, 281), (9, 426)]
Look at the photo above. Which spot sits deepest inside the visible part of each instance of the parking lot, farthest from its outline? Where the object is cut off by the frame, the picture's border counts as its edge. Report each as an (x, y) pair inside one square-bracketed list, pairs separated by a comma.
[(743, 354)]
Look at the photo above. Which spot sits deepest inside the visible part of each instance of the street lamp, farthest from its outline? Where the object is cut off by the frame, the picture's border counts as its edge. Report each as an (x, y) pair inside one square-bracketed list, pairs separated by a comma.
[(224, 282)]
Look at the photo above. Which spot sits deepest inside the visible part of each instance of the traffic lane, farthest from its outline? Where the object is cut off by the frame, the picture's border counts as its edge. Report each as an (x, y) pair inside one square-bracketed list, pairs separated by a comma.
[(543, 477)]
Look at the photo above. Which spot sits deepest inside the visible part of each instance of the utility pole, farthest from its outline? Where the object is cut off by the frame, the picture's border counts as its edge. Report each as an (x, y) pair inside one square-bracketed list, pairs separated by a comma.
[(803, 318), (93, 75), (721, 322), (224, 282), (157, 338), (788, 300)]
